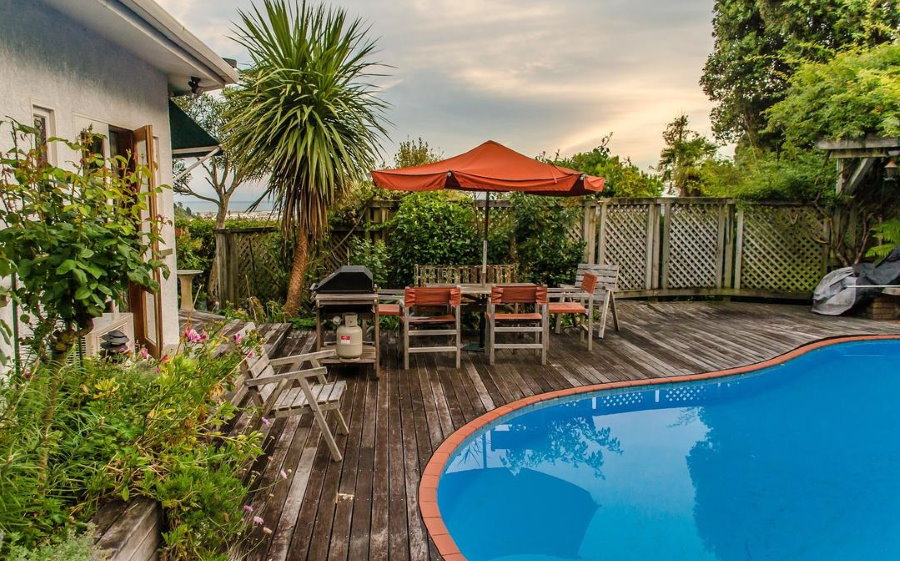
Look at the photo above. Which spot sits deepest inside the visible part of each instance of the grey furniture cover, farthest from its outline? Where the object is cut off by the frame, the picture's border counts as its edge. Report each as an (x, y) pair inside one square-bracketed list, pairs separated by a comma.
[(842, 289)]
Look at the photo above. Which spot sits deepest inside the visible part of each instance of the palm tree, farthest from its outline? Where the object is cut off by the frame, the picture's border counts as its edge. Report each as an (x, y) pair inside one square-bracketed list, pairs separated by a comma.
[(306, 115)]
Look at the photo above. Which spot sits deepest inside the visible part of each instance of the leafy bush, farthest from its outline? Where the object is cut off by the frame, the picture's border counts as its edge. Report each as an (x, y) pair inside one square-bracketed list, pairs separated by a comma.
[(373, 255), (888, 234), (74, 238), (539, 232), (431, 228), (120, 430), (763, 175), (71, 547)]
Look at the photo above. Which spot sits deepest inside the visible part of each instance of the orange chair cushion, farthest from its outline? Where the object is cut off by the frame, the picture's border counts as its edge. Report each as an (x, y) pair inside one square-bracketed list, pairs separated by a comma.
[(517, 317), (566, 308), (432, 319), (389, 309)]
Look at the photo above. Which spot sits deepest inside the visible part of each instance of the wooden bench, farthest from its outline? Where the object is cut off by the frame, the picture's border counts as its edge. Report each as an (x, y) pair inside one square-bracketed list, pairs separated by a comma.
[(465, 274)]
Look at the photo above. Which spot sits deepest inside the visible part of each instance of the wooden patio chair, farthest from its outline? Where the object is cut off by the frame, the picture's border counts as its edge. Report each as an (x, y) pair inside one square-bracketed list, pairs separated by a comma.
[(604, 293), (516, 321), (578, 302), (447, 300), (299, 390)]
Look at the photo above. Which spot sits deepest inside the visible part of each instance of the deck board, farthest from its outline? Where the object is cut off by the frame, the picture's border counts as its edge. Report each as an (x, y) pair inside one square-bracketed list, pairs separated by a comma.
[(365, 508)]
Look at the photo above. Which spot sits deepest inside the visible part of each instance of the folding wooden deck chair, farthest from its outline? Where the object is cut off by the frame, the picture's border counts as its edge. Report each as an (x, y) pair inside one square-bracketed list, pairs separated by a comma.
[(297, 390), (516, 321), (445, 299), (604, 292), (578, 302)]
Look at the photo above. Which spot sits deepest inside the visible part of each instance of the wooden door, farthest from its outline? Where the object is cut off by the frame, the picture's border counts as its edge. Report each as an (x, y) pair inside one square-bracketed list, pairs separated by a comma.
[(146, 305)]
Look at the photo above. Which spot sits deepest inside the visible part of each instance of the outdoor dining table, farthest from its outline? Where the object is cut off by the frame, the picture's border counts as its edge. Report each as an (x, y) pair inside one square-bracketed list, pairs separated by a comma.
[(480, 292)]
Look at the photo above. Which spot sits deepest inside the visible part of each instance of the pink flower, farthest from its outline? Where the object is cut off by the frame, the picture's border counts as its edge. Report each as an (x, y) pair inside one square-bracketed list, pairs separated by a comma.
[(203, 336), (283, 474), (250, 354), (266, 422), (238, 337), (248, 508), (258, 520), (164, 358), (191, 335), (144, 354)]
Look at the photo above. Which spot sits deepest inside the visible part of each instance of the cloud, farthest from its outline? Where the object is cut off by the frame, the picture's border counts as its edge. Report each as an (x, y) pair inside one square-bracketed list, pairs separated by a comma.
[(539, 75)]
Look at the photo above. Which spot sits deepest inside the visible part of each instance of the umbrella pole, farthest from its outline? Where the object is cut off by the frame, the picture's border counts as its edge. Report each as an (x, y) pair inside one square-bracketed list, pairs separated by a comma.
[(484, 246)]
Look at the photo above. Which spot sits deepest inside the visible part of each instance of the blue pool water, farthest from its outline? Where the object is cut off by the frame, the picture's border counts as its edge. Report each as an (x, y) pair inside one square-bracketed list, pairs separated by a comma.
[(799, 461)]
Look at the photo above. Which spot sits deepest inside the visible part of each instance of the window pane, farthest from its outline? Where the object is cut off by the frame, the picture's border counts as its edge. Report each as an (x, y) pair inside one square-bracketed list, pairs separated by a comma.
[(40, 135)]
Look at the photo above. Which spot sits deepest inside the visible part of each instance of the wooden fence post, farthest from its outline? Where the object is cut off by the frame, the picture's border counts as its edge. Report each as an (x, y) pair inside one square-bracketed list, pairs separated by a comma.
[(739, 248)]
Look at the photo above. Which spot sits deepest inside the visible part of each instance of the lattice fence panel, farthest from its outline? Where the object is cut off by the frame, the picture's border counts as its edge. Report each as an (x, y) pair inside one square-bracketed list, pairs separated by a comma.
[(694, 260), (625, 233), (779, 249), (254, 266)]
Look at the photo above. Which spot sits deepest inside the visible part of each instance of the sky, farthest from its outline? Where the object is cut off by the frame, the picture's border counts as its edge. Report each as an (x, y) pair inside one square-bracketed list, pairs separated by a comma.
[(535, 75)]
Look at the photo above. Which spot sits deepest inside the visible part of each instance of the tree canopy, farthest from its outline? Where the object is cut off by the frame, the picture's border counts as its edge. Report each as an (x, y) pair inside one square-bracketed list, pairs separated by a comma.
[(623, 178), (681, 158), (415, 153), (760, 43), (856, 93)]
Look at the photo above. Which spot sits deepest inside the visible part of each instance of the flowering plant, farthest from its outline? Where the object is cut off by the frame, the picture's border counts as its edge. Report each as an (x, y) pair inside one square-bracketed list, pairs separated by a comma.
[(142, 427)]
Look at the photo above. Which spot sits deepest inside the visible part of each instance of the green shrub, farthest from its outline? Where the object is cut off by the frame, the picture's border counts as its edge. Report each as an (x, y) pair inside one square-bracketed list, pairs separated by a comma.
[(431, 228), (888, 237), (373, 255), (537, 237), (121, 430), (71, 547)]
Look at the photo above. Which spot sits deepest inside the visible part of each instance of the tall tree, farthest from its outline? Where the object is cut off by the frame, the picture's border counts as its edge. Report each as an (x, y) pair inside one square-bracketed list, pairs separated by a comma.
[(682, 158), (306, 115), (222, 172), (759, 44), (415, 153)]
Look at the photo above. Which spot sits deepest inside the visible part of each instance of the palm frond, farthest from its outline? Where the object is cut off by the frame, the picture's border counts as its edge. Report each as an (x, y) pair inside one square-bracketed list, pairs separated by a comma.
[(306, 113)]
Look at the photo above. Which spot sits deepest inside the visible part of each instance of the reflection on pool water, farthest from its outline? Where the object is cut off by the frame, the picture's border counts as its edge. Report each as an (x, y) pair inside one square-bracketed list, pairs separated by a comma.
[(800, 461)]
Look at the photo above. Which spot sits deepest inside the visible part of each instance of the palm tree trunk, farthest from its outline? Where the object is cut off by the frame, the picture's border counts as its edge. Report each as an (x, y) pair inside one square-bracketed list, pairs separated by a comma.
[(298, 275)]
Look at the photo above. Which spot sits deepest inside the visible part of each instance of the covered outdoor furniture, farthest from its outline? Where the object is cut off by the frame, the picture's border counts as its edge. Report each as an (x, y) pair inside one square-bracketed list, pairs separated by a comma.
[(578, 302), (517, 309), (432, 311), (604, 292), (301, 387)]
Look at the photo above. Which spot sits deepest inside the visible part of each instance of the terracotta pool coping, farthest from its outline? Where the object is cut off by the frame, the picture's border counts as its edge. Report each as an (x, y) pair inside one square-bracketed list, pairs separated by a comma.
[(431, 475)]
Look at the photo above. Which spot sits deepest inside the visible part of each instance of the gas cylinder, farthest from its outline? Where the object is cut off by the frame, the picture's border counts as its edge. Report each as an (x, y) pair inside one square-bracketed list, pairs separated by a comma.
[(349, 338)]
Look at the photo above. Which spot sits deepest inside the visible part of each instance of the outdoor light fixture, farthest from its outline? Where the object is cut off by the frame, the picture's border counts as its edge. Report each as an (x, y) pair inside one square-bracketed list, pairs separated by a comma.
[(194, 84), (114, 345), (890, 170)]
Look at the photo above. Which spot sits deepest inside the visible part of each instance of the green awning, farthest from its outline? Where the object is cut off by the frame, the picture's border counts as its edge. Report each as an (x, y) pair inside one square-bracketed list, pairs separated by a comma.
[(189, 140)]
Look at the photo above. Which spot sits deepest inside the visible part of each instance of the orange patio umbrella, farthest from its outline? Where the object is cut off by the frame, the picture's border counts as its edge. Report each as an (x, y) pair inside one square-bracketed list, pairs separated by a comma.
[(490, 167)]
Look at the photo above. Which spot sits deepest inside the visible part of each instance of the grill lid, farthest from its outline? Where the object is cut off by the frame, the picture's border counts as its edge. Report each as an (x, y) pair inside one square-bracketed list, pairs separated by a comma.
[(349, 279)]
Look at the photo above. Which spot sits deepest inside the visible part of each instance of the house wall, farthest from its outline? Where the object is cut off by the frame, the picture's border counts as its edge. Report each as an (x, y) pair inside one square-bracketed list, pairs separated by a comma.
[(49, 61)]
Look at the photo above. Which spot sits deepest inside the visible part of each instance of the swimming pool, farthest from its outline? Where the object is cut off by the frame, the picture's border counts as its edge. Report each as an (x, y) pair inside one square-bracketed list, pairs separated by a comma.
[(796, 461)]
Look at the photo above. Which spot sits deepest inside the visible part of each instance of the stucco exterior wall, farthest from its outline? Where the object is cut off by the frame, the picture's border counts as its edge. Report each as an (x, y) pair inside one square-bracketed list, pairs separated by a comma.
[(46, 60)]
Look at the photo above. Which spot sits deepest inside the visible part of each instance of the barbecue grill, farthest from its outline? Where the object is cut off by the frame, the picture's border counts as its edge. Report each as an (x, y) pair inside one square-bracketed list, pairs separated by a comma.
[(350, 289), (349, 279)]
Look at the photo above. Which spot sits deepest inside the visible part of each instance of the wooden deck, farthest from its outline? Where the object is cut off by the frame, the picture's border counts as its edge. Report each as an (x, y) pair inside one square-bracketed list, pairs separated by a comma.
[(366, 506)]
